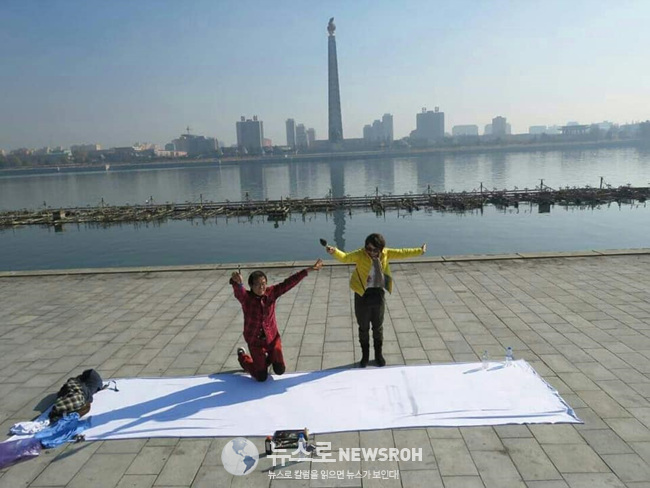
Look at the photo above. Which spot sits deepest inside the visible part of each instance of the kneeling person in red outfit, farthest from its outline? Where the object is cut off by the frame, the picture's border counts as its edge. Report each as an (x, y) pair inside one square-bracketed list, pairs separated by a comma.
[(260, 327)]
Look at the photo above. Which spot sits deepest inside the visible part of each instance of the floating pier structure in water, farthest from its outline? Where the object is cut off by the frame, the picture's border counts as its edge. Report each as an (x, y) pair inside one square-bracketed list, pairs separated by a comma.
[(277, 210)]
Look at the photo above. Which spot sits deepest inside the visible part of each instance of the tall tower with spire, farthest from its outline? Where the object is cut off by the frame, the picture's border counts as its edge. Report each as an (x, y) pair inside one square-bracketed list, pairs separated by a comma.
[(334, 95)]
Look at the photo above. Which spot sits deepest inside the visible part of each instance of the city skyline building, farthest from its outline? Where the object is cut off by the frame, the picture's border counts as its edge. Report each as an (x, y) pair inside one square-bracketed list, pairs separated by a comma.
[(291, 133), (488, 131), (85, 147), (379, 131), (387, 124), (551, 130), (499, 126), (193, 145), (311, 136), (250, 135), (464, 130), (334, 94), (429, 126), (301, 136)]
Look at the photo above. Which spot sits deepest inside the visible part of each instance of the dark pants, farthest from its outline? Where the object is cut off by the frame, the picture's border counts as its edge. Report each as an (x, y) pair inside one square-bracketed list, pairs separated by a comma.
[(369, 309), (257, 362)]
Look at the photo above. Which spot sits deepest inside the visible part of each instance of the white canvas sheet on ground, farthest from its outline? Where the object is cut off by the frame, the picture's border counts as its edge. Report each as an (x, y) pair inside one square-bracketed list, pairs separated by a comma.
[(334, 400)]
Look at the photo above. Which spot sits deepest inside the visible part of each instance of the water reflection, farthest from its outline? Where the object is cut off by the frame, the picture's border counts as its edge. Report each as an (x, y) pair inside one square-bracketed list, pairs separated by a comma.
[(431, 173), (498, 168), (251, 182), (220, 240), (337, 180), (435, 172)]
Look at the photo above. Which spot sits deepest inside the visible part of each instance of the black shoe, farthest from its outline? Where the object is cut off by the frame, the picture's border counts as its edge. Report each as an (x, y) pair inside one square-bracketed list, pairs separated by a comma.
[(278, 368), (365, 356), (240, 352), (379, 357)]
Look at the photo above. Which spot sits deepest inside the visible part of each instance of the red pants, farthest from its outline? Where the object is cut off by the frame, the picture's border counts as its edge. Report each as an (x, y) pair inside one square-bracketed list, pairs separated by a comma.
[(257, 362)]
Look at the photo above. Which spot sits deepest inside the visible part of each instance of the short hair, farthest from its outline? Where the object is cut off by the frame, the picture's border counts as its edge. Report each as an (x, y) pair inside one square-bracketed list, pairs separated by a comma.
[(252, 278), (376, 240)]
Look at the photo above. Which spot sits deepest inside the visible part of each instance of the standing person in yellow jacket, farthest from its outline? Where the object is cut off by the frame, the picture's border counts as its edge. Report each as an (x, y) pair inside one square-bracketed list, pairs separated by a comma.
[(369, 279)]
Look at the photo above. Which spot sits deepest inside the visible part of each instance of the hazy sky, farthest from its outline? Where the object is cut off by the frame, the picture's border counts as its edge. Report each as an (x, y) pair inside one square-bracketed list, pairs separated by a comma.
[(120, 71)]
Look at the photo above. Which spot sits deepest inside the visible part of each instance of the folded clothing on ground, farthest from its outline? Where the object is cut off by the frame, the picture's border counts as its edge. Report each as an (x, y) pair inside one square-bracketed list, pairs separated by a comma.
[(29, 428), (64, 430), (76, 395)]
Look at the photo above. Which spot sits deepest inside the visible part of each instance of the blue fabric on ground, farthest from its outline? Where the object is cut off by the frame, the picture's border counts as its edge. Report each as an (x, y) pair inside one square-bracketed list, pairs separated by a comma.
[(64, 430)]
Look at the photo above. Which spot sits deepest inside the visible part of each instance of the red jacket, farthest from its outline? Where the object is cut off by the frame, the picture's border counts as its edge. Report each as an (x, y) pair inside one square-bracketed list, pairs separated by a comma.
[(259, 312)]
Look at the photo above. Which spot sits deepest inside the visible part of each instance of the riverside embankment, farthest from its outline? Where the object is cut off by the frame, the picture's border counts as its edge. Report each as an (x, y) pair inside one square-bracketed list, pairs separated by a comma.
[(489, 148)]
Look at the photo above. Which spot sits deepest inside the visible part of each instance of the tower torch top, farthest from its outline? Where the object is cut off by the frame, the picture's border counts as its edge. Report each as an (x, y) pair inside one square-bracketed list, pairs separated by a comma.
[(331, 27)]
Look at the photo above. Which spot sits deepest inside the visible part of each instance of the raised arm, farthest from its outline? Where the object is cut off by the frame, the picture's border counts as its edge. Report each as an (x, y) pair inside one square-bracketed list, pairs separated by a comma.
[(237, 283), (344, 257), (280, 289), (406, 252)]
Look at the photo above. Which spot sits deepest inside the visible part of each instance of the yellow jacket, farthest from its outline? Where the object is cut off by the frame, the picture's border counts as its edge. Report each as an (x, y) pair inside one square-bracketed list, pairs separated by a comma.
[(364, 263)]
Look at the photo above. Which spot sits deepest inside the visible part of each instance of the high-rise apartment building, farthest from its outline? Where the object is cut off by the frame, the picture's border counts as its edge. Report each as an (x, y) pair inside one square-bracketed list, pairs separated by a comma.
[(301, 136), (250, 135), (489, 129), (367, 132), (499, 126), (429, 126), (291, 133), (387, 126), (311, 136), (379, 131)]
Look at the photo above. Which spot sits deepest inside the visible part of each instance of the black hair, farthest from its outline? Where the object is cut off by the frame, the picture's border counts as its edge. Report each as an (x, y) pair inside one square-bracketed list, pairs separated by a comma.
[(376, 240), (252, 278)]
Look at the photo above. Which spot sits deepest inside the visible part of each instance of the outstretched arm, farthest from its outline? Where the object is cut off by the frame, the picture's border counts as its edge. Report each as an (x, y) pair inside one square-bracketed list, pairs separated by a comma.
[(406, 252), (281, 288), (344, 257)]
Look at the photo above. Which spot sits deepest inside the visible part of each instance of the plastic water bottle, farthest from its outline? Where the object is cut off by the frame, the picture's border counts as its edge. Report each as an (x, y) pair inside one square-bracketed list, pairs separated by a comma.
[(485, 358), (509, 356), (302, 444)]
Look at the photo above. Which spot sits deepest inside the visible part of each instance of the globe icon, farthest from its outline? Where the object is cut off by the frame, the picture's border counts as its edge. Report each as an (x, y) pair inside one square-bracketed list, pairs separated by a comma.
[(239, 456)]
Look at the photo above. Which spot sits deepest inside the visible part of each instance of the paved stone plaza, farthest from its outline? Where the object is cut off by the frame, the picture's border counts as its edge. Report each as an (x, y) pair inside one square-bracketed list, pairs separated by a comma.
[(583, 322)]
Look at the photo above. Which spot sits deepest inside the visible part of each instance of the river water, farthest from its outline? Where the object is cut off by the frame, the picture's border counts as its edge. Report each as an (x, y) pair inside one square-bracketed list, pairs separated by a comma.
[(244, 240)]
